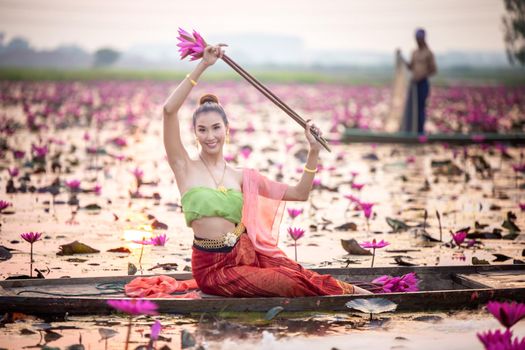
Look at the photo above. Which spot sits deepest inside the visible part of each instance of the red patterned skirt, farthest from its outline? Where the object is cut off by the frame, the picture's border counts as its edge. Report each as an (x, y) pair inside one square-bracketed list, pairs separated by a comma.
[(242, 272)]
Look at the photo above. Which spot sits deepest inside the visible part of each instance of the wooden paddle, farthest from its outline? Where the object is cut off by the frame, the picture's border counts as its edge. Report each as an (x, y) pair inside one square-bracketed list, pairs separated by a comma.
[(272, 97)]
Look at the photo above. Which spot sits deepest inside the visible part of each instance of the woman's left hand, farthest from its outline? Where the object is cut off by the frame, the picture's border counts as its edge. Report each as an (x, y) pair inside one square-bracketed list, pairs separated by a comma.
[(310, 127)]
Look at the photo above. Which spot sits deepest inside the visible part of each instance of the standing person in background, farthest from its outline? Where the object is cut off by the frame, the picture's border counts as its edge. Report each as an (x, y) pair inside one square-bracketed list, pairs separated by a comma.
[(422, 65)]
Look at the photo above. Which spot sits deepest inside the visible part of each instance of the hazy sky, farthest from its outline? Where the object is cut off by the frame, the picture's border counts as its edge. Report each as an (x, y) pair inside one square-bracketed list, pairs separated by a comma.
[(377, 25)]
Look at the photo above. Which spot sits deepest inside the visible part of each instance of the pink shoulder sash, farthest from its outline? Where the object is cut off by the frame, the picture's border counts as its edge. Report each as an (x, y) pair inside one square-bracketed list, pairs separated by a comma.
[(262, 211)]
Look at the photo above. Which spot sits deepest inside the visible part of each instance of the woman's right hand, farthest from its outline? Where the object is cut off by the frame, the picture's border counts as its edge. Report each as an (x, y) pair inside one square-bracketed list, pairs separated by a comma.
[(212, 53)]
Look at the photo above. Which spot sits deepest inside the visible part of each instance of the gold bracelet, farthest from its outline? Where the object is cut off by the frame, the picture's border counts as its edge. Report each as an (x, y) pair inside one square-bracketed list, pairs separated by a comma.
[(310, 170), (193, 82)]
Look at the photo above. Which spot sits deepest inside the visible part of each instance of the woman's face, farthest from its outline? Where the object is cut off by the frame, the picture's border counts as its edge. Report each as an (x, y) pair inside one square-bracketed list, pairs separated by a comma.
[(210, 131)]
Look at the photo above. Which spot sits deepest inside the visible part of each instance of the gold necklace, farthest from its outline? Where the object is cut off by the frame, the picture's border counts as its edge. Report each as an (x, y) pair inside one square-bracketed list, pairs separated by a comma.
[(220, 186)]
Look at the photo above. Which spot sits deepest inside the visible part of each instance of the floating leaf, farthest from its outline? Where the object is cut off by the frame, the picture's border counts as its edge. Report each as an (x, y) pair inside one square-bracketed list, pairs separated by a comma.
[(501, 257), (119, 250), (397, 225), (399, 260), (76, 247), (157, 225), (92, 206), (349, 226), (274, 311), (51, 336), (5, 254), (352, 247), (428, 318), (106, 333), (372, 305), (476, 261)]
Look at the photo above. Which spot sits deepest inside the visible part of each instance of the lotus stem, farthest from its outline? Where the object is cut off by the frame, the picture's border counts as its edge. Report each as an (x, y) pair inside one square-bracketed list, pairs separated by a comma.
[(129, 332), (141, 251), (31, 262)]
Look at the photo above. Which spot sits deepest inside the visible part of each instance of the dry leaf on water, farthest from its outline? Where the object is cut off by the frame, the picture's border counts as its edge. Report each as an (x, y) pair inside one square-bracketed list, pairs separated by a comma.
[(76, 247), (352, 247)]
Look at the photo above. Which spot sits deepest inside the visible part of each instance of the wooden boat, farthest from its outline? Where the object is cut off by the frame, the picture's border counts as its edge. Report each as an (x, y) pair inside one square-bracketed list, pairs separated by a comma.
[(359, 135), (442, 287)]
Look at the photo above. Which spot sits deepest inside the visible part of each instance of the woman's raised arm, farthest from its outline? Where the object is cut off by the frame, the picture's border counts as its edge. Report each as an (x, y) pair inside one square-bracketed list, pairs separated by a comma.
[(177, 154), (301, 190)]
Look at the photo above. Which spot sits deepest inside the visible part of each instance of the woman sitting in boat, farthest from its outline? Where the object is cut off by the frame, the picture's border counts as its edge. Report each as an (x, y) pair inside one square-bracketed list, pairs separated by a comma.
[(232, 211)]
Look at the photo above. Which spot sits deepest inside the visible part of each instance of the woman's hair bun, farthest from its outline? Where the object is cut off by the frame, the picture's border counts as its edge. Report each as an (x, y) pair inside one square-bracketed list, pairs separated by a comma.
[(208, 98)]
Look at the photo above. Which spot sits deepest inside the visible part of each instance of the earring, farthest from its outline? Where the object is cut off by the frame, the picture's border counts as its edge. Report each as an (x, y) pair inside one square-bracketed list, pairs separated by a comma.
[(228, 137), (196, 142)]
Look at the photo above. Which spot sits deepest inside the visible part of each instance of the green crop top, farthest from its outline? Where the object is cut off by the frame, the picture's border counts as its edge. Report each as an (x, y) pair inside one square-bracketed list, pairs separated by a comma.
[(202, 201)]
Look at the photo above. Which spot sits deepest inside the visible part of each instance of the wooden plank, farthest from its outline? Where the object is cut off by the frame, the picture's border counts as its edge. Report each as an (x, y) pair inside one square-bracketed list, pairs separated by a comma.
[(360, 135), (414, 301)]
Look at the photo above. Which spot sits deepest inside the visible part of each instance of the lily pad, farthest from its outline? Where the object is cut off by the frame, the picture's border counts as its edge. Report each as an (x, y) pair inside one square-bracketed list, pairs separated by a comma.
[(352, 247), (76, 247), (372, 305)]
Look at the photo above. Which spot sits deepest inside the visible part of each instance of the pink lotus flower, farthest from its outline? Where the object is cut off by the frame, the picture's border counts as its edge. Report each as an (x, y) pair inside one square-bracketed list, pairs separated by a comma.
[(507, 314), (367, 209), (497, 340), (97, 189), (519, 168), (405, 283), (4, 205), (134, 306), (356, 186), (354, 173), (411, 159), (317, 182), (31, 237), (245, 152), (138, 173), (159, 240), (86, 136), (460, 236), (422, 138), (13, 172), (522, 206), (296, 233), (19, 154), (293, 212), (73, 185), (374, 245), (192, 45), (352, 198), (39, 151), (119, 141)]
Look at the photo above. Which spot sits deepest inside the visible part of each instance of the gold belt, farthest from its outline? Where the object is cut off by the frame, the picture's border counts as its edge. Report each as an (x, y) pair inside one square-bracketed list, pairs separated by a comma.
[(228, 239)]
